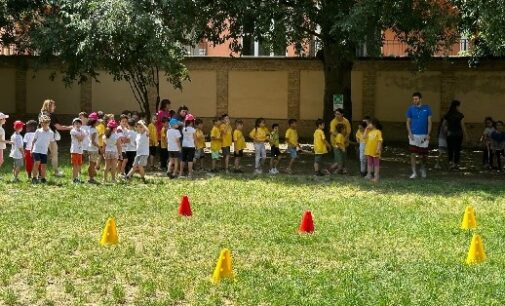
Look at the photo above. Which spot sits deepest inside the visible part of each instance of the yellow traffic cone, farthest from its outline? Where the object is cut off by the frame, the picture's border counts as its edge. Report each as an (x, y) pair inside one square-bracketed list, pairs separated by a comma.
[(476, 253), (469, 219), (223, 267), (109, 234)]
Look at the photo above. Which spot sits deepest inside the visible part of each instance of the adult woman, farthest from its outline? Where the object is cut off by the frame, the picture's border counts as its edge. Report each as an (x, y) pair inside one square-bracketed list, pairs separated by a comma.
[(48, 108), (454, 125), (163, 112)]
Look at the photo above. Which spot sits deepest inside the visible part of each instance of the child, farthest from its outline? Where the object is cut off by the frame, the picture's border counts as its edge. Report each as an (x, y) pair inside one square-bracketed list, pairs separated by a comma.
[(122, 132), (321, 146), (498, 138), (373, 149), (259, 135), (199, 142), (275, 152), (40, 145), (339, 146), (3, 142), (85, 129), (130, 145), (142, 149), (188, 145), (77, 136), (17, 150), (163, 145), (485, 139), (31, 126), (111, 150), (360, 138), (100, 129), (292, 142), (153, 141), (215, 143), (239, 145), (174, 147), (227, 140), (93, 147)]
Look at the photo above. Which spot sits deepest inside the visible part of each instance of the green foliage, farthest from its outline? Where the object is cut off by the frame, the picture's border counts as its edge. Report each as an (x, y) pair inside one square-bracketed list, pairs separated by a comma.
[(15, 17)]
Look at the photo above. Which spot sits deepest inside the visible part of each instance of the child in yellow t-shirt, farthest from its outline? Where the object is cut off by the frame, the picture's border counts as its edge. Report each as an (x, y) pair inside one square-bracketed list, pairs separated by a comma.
[(292, 142), (360, 139), (339, 153), (199, 142), (259, 135), (373, 148), (321, 146), (239, 145), (164, 144), (100, 131), (216, 141), (227, 139), (153, 141)]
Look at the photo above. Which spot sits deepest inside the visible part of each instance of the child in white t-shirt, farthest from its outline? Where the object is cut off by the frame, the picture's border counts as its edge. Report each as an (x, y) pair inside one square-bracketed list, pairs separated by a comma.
[(77, 136), (17, 149), (188, 145), (174, 147), (130, 146), (31, 127), (40, 145), (112, 149), (3, 142), (142, 150)]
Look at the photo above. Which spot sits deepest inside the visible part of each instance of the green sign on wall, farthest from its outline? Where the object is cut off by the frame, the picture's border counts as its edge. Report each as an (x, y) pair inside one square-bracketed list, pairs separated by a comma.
[(338, 102)]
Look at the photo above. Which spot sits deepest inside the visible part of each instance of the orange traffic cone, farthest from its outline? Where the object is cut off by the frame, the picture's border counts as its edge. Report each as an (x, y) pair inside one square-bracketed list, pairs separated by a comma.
[(185, 207), (307, 224)]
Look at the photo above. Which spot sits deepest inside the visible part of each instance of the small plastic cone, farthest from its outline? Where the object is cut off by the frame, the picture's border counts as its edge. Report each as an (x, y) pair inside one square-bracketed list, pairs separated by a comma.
[(109, 234), (307, 224), (224, 268), (185, 207), (476, 253), (469, 219)]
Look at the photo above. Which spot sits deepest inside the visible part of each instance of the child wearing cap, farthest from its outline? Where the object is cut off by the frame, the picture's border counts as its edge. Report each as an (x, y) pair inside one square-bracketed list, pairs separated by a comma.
[(3, 142), (188, 145), (31, 126), (17, 150), (174, 147), (142, 149), (77, 136), (40, 145), (112, 147), (93, 147)]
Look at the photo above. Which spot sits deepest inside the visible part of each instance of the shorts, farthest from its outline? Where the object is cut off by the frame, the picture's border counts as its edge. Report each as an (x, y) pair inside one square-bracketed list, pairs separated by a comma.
[(275, 151), (18, 163), (215, 155), (38, 157), (140, 160), (188, 154), (239, 153), (339, 156), (293, 153), (76, 159), (199, 154), (373, 161), (419, 144), (442, 144), (153, 150), (124, 156), (110, 155), (318, 158), (174, 154), (225, 151), (93, 157)]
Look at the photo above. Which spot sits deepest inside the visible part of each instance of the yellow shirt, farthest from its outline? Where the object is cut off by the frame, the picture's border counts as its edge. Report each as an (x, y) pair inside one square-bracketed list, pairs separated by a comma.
[(238, 138), (153, 135), (215, 144), (163, 134), (319, 142), (292, 137), (100, 131), (226, 132), (359, 137), (372, 140), (259, 134), (333, 129), (340, 141), (200, 139)]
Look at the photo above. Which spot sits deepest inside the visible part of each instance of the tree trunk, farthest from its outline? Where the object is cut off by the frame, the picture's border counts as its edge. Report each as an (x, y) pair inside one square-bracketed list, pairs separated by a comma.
[(337, 80)]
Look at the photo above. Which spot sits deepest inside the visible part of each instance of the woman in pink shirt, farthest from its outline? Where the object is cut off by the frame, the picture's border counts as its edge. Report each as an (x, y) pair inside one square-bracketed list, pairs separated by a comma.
[(163, 112)]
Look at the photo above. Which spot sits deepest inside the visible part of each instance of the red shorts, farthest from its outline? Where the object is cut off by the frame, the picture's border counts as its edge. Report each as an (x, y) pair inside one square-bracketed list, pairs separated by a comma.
[(419, 150), (373, 161), (76, 159)]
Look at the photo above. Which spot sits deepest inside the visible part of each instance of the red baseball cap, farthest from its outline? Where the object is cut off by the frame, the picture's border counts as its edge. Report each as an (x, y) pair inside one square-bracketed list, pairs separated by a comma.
[(18, 124)]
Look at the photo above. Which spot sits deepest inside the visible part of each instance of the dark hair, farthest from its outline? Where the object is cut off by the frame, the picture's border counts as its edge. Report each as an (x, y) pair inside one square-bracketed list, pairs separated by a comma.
[(84, 114), (123, 116), (215, 120), (237, 122), (164, 120), (291, 121), (340, 110), (274, 125), (319, 122), (224, 116), (198, 121), (108, 132), (340, 128), (499, 122), (131, 122), (490, 119), (31, 125), (91, 122), (171, 113), (258, 122), (454, 105), (417, 94), (181, 108), (363, 124), (376, 123), (125, 112), (164, 103)]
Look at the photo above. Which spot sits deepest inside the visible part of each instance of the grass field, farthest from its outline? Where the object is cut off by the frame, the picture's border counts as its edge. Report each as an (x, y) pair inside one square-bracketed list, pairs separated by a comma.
[(397, 243)]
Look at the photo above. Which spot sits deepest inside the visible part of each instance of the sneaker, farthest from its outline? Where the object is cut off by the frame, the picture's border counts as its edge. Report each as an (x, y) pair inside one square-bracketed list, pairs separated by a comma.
[(43, 180), (276, 171), (93, 181), (76, 181), (272, 171), (423, 172), (35, 181), (368, 177), (413, 176)]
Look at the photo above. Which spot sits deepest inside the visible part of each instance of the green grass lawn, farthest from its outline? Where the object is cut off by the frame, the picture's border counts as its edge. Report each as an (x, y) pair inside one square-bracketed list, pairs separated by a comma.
[(397, 243)]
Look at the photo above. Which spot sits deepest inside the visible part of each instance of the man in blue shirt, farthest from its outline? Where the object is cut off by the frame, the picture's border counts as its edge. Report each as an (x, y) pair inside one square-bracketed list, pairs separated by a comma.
[(419, 129)]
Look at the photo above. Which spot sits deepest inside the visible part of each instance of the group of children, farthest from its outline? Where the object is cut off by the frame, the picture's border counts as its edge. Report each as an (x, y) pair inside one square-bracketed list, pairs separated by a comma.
[(129, 146)]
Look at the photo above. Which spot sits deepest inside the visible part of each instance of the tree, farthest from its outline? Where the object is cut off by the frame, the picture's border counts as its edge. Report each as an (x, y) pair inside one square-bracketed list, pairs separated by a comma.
[(15, 16), (133, 40), (340, 26)]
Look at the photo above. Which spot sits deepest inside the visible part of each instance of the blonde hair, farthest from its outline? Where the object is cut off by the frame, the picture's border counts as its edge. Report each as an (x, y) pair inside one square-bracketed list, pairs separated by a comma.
[(46, 106), (44, 119)]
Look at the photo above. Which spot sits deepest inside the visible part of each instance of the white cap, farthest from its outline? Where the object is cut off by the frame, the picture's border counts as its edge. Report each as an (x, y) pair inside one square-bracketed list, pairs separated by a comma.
[(3, 116)]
